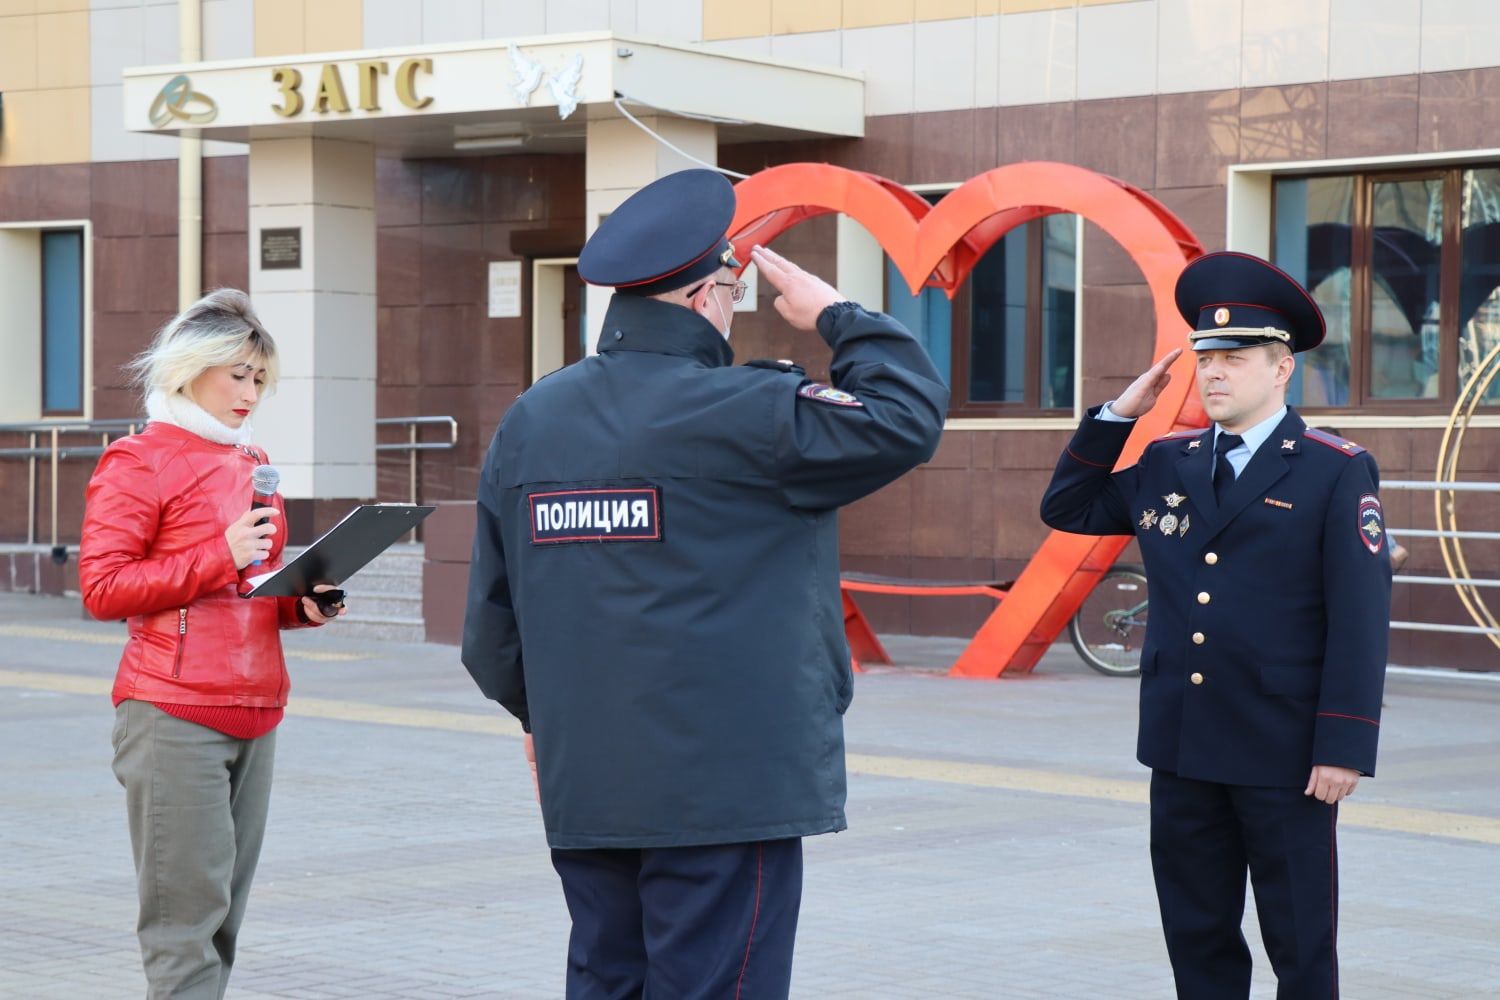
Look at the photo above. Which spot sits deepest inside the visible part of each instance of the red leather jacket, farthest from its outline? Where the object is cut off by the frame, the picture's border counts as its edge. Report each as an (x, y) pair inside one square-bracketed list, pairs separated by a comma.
[(153, 552)]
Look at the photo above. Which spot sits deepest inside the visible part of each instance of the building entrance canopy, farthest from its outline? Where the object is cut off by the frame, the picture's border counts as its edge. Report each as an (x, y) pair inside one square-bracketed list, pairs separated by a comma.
[(536, 93)]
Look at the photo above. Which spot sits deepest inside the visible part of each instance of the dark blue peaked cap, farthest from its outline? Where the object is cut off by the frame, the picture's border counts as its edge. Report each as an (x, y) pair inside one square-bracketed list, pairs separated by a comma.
[(668, 234), (1238, 300)]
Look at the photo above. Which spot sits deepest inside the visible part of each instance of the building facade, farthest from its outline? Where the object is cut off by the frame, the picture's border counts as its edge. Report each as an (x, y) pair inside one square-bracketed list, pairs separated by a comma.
[(403, 184)]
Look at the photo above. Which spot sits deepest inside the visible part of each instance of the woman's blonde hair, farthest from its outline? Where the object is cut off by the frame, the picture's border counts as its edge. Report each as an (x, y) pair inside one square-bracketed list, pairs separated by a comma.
[(219, 329)]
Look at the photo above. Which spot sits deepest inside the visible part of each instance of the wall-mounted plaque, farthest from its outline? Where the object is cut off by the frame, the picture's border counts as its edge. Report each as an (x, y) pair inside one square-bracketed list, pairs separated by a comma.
[(281, 249)]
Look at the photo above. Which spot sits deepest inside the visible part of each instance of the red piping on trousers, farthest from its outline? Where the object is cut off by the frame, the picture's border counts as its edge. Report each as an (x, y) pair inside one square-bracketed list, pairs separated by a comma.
[(1333, 890), (760, 854)]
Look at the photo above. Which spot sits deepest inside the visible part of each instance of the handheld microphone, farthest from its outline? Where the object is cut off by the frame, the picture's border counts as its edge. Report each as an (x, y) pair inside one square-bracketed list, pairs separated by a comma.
[(264, 481)]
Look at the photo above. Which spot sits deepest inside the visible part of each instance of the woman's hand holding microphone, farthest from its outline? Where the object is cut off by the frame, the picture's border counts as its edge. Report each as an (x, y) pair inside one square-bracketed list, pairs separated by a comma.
[(248, 539)]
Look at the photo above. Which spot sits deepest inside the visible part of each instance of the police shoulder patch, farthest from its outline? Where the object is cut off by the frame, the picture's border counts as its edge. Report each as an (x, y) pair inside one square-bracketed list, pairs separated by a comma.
[(607, 514), (823, 393), (1371, 523)]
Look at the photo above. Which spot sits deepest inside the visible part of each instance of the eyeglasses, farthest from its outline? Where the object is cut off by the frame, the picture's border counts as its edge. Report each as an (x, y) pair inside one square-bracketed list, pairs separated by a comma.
[(735, 296)]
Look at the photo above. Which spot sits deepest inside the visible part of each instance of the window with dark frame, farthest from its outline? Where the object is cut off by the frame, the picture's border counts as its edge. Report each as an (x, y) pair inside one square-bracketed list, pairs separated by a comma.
[(62, 322), (1005, 342), (1406, 268)]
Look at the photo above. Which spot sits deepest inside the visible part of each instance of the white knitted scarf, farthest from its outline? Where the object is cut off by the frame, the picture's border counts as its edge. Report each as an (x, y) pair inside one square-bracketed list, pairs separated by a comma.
[(182, 412)]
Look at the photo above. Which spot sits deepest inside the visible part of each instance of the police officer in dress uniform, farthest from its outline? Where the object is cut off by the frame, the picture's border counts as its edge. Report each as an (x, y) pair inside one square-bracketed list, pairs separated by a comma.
[(655, 595), (1261, 675)]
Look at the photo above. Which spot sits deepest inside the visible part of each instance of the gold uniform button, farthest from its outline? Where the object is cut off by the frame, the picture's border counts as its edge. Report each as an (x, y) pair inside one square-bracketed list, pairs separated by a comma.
[(1210, 557), (1196, 678), (1198, 638), (1203, 597)]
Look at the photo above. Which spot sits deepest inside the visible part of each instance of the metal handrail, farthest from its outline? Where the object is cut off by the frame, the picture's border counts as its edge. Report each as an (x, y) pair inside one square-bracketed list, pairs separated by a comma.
[(1421, 485), (54, 451), (412, 446)]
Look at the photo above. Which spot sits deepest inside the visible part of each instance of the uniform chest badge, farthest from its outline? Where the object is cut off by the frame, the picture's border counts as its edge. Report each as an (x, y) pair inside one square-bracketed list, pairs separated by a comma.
[(1174, 500), (1148, 519), (1288, 445), (823, 393), (1371, 523), (1169, 525), (1182, 529)]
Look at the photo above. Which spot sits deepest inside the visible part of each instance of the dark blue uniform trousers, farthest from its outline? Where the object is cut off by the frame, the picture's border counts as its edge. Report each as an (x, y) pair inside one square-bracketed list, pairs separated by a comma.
[(1204, 836), (682, 923)]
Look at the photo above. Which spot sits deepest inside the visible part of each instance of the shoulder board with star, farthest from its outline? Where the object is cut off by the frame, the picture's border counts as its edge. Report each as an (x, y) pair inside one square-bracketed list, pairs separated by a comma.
[(1188, 437), (1338, 444), (778, 365)]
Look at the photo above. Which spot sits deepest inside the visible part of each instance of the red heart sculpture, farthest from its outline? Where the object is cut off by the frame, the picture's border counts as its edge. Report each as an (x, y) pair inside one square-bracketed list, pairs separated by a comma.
[(937, 246)]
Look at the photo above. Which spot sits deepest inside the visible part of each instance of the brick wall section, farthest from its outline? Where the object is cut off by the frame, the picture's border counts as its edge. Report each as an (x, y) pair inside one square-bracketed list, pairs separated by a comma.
[(133, 209), (439, 224)]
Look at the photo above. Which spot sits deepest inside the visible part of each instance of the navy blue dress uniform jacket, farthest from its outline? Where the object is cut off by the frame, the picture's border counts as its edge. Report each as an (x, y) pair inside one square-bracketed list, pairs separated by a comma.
[(1265, 651), (683, 669)]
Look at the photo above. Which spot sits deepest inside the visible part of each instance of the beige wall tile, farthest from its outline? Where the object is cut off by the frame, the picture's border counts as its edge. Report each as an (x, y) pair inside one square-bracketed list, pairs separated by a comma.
[(17, 54), (21, 135), (943, 78), (60, 113), (946, 10), (280, 27), (736, 18), (62, 50), (11, 8), (1459, 34), (60, 6), (885, 55), (1038, 57), (1286, 41), (789, 16), (984, 7), (1374, 38), (1027, 6), (870, 13), (334, 25), (1117, 50), (1198, 45), (820, 48)]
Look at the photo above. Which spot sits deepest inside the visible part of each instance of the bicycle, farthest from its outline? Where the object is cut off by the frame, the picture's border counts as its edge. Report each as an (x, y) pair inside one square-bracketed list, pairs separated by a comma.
[(1110, 628)]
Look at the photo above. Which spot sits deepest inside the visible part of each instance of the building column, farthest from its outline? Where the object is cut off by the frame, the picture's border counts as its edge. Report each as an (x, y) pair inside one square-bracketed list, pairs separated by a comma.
[(312, 279), (619, 160)]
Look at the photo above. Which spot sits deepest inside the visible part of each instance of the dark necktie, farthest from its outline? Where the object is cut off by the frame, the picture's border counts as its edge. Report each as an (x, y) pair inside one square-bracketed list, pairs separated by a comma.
[(1223, 471)]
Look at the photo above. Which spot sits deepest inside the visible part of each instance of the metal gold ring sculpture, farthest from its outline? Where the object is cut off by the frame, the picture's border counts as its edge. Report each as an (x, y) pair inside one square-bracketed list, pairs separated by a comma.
[(1444, 500), (173, 102)]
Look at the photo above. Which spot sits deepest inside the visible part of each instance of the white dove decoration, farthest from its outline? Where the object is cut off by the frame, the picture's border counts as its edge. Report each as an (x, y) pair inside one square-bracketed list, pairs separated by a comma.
[(564, 86), (528, 75)]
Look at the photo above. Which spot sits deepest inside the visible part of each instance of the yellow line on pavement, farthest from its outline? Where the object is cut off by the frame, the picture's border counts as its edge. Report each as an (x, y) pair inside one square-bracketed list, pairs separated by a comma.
[(107, 639), (1369, 816)]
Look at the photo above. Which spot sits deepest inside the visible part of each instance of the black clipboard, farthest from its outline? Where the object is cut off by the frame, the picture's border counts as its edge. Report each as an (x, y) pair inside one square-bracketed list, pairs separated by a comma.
[(347, 547)]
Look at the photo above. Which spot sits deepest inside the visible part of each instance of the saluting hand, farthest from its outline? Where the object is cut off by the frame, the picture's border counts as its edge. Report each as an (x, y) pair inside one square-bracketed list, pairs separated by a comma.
[(1330, 784), (803, 296), (249, 541), (1138, 400)]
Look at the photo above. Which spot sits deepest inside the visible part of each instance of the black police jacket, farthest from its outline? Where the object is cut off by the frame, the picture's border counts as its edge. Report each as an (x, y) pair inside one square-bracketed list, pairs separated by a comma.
[(655, 589), (1265, 651)]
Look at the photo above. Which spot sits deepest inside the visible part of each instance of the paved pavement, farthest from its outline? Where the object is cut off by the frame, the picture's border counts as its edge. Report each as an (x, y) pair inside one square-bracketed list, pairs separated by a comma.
[(997, 842)]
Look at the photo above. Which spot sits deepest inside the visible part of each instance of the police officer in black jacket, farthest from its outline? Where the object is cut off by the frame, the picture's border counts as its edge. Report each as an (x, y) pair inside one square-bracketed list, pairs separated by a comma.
[(1261, 677), (654, 594)]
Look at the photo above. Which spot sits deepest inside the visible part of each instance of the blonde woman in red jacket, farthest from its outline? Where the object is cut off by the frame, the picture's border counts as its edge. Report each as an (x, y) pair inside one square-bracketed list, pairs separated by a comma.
[(168, 535)]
